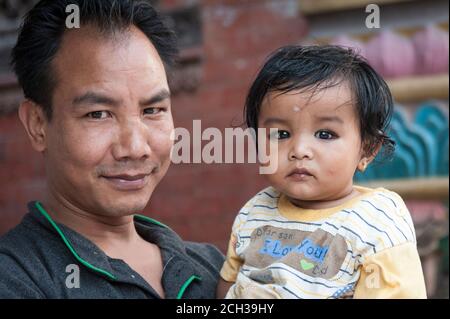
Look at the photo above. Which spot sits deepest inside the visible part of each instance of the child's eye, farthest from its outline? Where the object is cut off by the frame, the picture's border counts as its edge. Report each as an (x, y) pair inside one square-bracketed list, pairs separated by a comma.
[(98, 115), (325, 135), (279, 135)]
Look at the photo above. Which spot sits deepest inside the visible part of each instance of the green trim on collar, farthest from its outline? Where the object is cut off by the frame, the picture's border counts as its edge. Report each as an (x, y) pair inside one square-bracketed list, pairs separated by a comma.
[(151, 220), (72, 250), (101, 271), (186, 284), (192, 278)]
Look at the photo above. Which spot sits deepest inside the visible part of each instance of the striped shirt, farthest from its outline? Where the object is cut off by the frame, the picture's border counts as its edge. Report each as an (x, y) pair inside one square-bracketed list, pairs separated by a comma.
[(364, 248)]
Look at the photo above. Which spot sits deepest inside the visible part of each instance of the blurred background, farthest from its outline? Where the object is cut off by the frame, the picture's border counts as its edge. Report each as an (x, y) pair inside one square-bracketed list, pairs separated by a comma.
[(223, 43)]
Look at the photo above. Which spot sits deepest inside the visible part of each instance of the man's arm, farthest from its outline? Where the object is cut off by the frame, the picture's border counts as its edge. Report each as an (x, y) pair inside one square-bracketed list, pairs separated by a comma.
[(222, 288)]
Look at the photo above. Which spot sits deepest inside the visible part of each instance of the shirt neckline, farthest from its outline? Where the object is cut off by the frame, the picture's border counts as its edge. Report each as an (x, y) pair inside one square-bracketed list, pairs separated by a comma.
[(295, 213)]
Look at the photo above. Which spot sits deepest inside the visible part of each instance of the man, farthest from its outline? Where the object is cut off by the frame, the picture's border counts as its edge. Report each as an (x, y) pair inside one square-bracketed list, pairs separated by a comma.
[(98, 108)]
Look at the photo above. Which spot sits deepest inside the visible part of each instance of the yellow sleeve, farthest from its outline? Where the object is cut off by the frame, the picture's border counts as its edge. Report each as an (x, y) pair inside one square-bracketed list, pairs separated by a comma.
[(230, 268), (393, 273), (233, 262)]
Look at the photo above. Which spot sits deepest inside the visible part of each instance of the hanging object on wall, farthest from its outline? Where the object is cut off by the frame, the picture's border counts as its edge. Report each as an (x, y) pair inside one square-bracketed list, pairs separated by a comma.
[(391, 54), (431, 46)]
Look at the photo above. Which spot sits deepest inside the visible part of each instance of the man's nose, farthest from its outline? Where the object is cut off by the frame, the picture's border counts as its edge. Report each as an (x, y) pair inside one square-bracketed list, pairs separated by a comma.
[(301, 148), (133, 141)]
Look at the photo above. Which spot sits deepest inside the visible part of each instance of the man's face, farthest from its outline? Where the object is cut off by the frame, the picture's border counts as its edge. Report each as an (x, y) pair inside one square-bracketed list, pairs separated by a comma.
[(319, 143), (108, 143)]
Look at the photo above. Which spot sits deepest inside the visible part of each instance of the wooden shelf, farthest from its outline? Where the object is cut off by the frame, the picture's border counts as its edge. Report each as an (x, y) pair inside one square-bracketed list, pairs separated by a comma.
[(365, 35), (309, 7), (419, 88), (415, 188)]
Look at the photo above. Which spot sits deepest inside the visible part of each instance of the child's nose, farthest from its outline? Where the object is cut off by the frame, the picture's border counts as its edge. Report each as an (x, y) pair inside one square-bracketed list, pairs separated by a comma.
[(301, 149)]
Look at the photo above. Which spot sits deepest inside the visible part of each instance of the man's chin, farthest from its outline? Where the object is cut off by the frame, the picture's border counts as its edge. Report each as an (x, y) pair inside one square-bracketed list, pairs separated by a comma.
[(125, 205), (123, 201)]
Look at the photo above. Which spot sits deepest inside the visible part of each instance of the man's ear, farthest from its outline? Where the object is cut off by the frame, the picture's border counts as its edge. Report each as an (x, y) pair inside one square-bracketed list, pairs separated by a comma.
[(367, 159), (35, 122)]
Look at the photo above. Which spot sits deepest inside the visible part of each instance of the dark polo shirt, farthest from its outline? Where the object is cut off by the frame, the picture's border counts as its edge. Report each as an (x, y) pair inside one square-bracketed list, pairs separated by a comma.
[(40, 258)]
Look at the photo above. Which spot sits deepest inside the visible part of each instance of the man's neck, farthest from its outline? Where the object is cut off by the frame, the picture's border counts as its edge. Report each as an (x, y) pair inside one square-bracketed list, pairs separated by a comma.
[(110, 233), (116, 236)]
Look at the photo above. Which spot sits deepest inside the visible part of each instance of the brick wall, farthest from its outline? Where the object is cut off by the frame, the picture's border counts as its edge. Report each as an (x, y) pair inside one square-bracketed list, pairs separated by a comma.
[(199, 201)]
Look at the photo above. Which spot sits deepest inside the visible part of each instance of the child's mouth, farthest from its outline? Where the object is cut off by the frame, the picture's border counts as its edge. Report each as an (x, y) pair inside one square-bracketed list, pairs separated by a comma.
[(300, 174)]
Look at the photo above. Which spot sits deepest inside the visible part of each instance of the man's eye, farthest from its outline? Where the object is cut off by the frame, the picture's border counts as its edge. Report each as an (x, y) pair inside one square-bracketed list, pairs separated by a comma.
[(325, 135), (153, 110), (279, 135), (98, 115)]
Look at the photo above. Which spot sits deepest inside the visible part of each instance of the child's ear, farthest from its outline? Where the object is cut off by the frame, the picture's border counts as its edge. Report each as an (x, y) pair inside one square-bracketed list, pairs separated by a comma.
[(367, 159)]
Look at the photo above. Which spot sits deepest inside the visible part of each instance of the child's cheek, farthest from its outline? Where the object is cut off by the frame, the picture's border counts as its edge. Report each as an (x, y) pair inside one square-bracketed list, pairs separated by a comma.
[(333, 171)]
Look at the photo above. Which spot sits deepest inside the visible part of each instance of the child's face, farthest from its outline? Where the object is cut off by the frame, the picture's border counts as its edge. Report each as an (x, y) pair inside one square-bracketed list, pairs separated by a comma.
[(319, 144)]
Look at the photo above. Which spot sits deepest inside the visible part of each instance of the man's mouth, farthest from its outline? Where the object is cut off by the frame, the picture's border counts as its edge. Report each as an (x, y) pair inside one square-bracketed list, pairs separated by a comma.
[(128, 182)]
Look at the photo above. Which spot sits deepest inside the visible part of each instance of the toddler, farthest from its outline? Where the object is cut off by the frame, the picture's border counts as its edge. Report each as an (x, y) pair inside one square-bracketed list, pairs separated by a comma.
[(312, 233)]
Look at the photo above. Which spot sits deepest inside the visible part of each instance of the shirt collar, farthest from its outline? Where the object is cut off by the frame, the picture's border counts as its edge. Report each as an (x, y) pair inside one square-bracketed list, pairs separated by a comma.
[(88, 254)]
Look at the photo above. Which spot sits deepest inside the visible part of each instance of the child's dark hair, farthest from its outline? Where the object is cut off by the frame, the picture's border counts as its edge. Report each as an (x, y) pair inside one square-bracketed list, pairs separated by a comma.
[(319, 67)]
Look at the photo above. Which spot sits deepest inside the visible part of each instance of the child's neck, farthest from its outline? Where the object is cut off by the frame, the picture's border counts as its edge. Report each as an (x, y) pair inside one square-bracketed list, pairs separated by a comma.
[(327, 203)]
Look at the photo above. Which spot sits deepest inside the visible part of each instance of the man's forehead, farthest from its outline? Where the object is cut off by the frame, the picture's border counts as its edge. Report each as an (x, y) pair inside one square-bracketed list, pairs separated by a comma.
[(87, 59), (88, 46)]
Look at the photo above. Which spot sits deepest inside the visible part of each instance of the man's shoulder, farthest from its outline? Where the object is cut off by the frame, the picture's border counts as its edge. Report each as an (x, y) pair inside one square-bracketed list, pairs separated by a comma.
[(17, 237), (207, 255), (204, 255), (209, 251), (16, 254), (22, 244), (15, 280)]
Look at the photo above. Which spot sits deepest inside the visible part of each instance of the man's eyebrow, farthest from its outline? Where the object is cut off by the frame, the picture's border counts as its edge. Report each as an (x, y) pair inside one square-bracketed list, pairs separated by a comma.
[(274, 120), (158, 97), (330, 119), (93, 98)]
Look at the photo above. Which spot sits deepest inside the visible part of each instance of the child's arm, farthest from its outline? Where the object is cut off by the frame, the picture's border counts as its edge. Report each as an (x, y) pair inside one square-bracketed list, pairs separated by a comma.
[(229, 269), (392, 273), (233, 262)]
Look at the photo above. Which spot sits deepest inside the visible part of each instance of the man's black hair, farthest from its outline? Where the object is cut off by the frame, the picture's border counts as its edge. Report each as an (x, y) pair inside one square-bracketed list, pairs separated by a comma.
[(43, 28), (315, 68)]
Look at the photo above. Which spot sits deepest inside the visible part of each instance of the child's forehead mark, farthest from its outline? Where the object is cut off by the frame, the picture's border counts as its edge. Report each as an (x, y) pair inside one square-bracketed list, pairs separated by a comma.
[(296, 108)]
